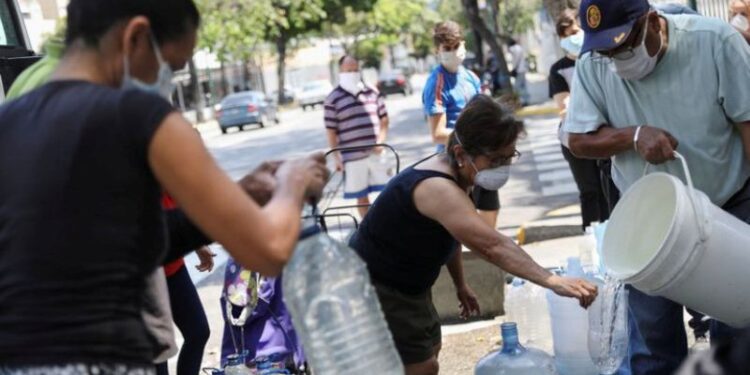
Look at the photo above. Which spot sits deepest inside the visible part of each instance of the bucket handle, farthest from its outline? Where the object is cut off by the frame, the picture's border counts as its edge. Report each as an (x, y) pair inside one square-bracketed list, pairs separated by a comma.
[(697, 209)]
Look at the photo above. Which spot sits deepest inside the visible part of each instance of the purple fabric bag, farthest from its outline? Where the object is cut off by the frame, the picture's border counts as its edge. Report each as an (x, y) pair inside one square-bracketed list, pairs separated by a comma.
[(267, 330)]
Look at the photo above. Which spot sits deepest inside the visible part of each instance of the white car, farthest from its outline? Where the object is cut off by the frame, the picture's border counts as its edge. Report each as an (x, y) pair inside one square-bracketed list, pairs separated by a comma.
[(314, 93)]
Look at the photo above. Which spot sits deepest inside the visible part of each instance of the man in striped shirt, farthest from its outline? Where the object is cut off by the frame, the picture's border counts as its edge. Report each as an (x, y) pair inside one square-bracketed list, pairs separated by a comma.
[(355, 115)]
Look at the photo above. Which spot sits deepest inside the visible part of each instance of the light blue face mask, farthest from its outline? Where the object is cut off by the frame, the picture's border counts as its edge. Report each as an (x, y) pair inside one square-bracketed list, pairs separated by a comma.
[(572, 44), (163, 85)]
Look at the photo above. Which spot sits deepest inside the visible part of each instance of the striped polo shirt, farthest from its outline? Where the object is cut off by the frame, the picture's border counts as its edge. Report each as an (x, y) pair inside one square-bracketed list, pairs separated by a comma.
[(356, 119)]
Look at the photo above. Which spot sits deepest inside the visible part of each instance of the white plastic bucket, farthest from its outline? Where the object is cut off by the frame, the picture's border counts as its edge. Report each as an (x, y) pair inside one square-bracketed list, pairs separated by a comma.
[(667, 239)]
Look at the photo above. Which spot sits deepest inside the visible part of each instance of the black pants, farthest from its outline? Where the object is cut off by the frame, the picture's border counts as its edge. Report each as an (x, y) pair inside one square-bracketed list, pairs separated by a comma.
[(188, 315), (595, 205)]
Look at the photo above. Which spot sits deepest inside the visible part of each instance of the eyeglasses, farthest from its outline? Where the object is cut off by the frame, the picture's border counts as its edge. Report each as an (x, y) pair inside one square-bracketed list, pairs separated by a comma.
[(505, 160), (621, 53)]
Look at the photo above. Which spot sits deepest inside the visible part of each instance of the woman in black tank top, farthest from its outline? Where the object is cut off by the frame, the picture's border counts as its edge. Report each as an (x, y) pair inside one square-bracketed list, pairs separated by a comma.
[(419, 222)]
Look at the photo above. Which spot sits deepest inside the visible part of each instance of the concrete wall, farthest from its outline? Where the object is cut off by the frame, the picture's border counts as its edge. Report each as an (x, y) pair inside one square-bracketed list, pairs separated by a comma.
[(485, 279)]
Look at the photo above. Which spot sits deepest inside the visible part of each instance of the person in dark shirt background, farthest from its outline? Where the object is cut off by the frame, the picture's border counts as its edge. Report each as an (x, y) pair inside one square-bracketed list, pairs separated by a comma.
[(84, 161)]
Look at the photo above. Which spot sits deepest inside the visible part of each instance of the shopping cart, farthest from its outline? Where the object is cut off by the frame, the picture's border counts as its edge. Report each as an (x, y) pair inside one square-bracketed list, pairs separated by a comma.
[(341, 220)]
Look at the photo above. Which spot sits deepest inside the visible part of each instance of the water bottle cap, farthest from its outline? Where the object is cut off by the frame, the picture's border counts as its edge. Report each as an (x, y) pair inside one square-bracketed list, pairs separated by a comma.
[(518, 281), (235, 359)]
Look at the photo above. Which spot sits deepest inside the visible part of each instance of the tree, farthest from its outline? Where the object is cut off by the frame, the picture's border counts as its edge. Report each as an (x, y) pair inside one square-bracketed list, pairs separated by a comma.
[(230, 30), (515, 16), (295, 18), (471, 8), (198, 101), (367, 33)]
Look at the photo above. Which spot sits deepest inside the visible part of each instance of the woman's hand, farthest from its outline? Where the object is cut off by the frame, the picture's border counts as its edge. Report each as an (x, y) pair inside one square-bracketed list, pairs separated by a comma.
[(580, 289), (309, 173), (467, 302), (206, 257)]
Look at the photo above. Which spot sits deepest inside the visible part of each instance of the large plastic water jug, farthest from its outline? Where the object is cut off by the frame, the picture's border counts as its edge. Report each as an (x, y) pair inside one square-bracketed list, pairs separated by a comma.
[(335, 310), (669, 240), (570, 327), (514, 359)]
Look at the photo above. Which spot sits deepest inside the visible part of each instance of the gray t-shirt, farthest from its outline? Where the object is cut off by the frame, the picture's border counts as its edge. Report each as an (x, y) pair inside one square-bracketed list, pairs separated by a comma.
[(698, 92)]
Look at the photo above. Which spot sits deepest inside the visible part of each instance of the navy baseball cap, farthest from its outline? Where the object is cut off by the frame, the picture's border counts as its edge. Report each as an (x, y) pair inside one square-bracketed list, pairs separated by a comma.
[(607, 23)]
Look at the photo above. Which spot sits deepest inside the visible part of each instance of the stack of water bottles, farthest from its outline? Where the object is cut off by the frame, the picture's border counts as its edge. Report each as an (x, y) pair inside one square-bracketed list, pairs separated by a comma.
[(335, 309), (586, 342), (526, 306)]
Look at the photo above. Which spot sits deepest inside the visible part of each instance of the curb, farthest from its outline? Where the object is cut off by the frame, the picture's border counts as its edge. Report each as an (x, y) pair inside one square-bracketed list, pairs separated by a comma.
[(530, 234), (559, 223), (537, 111)]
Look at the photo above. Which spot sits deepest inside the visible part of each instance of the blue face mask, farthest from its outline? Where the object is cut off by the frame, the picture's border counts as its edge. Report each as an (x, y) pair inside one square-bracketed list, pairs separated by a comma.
[(163, 85), (573, 44)]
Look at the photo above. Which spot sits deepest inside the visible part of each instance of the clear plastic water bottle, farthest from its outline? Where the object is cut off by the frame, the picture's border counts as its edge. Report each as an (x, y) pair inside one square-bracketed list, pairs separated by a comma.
[(236, 365), (516, 303), (335, 309), (514, 359)]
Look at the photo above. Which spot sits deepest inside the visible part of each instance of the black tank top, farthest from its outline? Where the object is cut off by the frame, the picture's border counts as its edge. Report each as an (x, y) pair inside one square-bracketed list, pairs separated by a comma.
[(403, 249)]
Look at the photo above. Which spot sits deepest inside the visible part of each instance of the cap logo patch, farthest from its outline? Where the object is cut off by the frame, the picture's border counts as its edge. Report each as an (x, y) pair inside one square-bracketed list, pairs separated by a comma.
[(619, 38), (593, 16)]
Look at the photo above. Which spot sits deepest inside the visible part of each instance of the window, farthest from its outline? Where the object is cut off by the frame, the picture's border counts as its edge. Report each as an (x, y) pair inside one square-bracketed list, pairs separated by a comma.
[(8, 30)]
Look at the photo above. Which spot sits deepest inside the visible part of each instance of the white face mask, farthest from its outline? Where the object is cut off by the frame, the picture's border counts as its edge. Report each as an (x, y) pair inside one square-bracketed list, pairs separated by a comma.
[(351, 82), (452, 60), (739, 21), (163, 85), (573, 44), (640, 64), (492, 179), (489, 179)]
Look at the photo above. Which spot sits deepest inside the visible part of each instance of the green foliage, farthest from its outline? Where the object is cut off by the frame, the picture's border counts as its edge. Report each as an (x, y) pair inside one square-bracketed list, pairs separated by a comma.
[(388, 23), (369, 52), (517, 16), (232, 28)]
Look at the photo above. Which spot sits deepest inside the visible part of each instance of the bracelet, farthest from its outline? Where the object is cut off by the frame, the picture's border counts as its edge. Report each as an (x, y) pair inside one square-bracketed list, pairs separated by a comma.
[(635, 138)]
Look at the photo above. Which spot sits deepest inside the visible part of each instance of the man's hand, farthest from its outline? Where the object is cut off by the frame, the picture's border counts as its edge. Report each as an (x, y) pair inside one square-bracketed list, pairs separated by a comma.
[(467, 302), (261, 183), (580, 289), (655, 145), (206, 257), (339, 163)]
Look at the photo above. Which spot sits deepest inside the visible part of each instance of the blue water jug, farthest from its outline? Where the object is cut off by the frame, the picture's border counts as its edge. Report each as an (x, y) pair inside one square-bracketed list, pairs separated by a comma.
[(514, 359)]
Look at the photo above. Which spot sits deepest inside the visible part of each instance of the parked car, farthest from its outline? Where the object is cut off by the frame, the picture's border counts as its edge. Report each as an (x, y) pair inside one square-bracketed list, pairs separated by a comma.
[(246, 108), (289, 96), (394, 82), (314, 93)]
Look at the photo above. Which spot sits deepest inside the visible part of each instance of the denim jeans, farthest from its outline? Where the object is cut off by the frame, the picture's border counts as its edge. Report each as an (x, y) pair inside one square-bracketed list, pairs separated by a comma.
[(658, 342), (521, 88)]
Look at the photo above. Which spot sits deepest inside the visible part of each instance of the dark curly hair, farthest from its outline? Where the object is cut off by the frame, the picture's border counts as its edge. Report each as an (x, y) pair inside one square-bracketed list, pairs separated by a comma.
[(483, 127)]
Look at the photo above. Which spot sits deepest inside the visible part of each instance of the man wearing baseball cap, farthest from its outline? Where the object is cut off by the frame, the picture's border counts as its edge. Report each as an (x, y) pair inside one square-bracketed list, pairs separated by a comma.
[(646, 83)]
